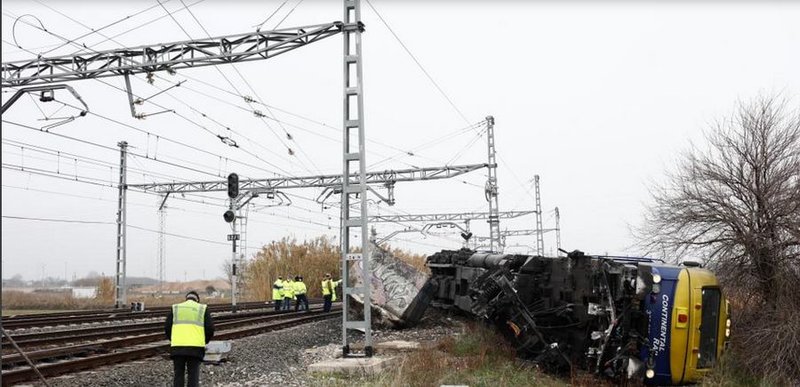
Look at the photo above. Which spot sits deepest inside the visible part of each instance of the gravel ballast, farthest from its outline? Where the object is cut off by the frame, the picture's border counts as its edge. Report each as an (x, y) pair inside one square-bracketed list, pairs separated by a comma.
[(270, 359)]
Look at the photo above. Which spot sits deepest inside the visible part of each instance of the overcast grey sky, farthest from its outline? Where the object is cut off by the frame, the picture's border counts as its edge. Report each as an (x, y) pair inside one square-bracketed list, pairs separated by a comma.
[(596, 98)]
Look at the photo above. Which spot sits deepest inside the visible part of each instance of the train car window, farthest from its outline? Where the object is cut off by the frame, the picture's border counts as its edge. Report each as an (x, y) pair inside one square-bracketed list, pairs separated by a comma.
[(709, 324)]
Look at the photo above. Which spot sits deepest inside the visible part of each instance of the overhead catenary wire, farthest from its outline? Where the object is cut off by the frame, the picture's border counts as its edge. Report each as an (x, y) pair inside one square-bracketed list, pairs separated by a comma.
[(111, 184), (291, 152), (428, 75), (107, 147), (370, 4), (92, 222), (258, 26), (64, 105), (174, 112), (182, 28), (106, 38), (93, 31)]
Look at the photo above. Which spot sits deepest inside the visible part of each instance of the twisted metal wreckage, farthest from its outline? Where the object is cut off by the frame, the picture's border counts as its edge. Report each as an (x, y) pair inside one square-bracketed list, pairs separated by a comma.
[(562, 313)]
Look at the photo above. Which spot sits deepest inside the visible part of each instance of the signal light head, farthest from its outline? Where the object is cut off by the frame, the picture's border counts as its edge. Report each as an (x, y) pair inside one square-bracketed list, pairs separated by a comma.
[(233, 185), (229, 216)]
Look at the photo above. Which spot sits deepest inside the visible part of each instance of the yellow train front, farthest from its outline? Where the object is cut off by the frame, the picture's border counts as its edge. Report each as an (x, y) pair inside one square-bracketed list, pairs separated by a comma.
[(689, 324)]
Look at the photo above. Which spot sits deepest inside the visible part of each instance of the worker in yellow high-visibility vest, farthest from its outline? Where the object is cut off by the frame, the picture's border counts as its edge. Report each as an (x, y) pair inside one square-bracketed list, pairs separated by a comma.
[(189, 328), (328, 292), (277, 293), (300, 292), (288, 293)]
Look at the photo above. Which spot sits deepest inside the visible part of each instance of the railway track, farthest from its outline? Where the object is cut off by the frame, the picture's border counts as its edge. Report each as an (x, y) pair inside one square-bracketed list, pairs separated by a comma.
[(83, 317), (90, 348), (82, 334)]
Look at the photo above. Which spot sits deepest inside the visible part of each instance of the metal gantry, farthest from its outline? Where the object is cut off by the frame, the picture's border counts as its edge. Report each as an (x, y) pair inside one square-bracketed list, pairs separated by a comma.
[(249, 47), (319, 181), (514, 233), (164, 56), (447, 217), (433, 220), (148, 59), (491, 191)]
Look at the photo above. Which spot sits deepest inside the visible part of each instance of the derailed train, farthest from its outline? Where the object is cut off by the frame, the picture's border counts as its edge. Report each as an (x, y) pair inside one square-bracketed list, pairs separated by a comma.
[(625, 318)]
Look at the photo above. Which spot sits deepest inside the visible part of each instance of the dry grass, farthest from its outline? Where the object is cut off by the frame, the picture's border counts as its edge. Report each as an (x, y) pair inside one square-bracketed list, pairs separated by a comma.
[(287, 257), (477, 357), (48, 301), (310, 259)]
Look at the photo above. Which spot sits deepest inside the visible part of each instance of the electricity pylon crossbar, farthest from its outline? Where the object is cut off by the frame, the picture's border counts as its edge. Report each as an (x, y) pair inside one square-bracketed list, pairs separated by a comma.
[(382, 177), (452, 217), (515, 233), (165, 56)]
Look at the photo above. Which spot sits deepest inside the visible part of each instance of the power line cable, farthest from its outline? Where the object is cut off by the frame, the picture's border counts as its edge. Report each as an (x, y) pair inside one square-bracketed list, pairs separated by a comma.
[(56, 220), (291, 152), (258, 26), (430, 78), (166, 109)]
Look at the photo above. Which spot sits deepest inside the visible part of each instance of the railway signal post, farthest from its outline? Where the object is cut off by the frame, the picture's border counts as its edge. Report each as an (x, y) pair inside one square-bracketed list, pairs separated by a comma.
[(230, 217)]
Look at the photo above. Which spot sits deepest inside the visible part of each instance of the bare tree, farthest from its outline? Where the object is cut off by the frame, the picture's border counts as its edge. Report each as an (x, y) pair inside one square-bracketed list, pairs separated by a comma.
[(241, 273), (736, 203)]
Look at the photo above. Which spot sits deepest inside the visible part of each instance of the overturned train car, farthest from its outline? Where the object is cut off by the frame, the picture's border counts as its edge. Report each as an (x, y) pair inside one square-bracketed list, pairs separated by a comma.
[(625, 318)]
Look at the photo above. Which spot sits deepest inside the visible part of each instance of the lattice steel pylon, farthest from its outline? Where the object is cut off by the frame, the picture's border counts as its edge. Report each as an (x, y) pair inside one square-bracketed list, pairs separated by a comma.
[(242, 249), (558, 233), (162, 245), (496, 243), (354, 152), (539, 228), (120, 289)]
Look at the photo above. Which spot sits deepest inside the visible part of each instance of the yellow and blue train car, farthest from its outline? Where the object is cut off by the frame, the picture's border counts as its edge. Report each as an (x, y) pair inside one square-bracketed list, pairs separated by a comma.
[(625, 318), (689, 324)]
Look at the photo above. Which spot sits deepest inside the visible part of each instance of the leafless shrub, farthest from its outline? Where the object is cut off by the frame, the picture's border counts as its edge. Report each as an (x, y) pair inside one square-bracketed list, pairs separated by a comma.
[(737, 204)]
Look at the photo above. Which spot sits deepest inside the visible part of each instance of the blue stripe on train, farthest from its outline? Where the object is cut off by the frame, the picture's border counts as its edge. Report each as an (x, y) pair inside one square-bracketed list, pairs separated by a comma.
[(659, 310)]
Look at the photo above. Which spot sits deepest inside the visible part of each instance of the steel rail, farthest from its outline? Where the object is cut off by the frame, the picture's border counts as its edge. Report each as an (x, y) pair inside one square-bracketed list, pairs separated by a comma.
[(71, 313), (26, 373), (41, 339), (123, 340), (115, 315)]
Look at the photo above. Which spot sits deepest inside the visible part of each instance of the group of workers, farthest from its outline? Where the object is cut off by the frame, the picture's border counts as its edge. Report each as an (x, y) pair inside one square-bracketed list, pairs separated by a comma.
[(189, 325), (284, 291)]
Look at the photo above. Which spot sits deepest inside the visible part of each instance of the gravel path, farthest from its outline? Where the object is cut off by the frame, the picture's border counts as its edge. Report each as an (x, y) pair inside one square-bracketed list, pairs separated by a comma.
[(270, 359)]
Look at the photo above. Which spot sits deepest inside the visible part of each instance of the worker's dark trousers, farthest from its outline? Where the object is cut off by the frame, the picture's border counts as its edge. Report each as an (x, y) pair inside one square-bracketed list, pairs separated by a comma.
[(287, 303), (301, 302), (181, 364), (326, 306), (278, 304)]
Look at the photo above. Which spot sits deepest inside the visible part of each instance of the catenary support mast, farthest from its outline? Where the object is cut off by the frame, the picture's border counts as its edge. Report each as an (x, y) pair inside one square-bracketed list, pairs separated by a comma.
[(558, 233), (120, 290), (354, 157), (496, 243), (539, 230), (162, 243)]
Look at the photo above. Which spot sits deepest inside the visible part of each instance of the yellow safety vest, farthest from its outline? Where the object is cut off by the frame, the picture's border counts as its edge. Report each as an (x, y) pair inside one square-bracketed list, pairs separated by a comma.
[(300, 288), (288, 289), (188, 324), (329, 287), (276, 290)]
